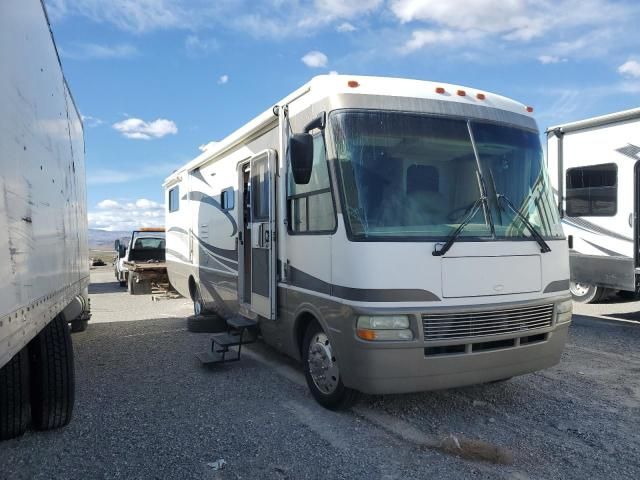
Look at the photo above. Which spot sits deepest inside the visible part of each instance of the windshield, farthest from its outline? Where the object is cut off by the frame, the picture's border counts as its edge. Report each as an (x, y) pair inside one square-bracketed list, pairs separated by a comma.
[(409, 175)]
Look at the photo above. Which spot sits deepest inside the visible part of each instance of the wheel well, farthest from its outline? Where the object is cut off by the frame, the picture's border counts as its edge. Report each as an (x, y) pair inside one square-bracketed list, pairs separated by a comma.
[(192, 288), (302, 323)]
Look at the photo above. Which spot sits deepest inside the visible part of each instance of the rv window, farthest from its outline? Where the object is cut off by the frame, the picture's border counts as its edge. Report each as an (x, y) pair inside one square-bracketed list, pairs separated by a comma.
[(174, 199), (227, 199), (311, 205), (592, 191)]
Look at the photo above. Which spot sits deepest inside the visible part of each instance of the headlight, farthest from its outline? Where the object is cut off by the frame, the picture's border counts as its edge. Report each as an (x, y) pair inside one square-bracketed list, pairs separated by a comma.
[(391, 327), (563, 311)]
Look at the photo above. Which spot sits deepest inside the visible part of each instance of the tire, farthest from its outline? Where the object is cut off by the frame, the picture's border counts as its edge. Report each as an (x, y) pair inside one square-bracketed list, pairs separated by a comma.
[(199, 306), (587, 293), (330, 393), (15, 410), (206, 324), (52, 376), (123, 283), (79, 326)]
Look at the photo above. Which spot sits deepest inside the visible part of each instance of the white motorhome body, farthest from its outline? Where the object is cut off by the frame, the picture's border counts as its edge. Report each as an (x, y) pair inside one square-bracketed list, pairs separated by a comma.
[(357, 253), (44, 265), (595, 176)]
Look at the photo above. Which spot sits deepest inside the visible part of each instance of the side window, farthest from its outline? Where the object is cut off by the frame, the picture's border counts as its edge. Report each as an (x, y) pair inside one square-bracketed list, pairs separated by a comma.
[(592, 191), (227, 199), (174, 199), (311, 206)]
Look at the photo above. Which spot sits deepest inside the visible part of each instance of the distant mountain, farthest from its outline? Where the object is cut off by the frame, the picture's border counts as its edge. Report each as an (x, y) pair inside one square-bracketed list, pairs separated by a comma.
[(104, 239)]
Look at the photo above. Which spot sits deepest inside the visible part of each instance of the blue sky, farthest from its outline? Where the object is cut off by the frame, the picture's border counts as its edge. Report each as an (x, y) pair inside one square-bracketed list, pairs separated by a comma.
[(155, 79)]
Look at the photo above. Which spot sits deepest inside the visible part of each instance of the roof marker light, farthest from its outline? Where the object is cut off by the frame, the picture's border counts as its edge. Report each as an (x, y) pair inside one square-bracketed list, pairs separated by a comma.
[(530, 109), (440, 90), (461, 93), (353, 84), (480, 96)]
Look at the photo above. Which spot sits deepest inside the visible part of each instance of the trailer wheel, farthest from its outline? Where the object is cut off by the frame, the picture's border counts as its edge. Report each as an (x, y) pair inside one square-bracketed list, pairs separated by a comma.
[(322, 371), (15, 411), (79, 325), (52, 376), (587, 293)]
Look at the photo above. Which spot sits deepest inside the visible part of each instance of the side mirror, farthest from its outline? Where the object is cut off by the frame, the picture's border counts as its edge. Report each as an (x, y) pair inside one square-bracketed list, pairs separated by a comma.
[(300, 153), (116, 245), (123, 251)]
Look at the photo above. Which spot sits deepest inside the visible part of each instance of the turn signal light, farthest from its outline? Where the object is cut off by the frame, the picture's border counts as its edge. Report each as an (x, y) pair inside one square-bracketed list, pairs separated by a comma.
[(461, 93), (529, 109), (353, 83), (366, 334), (440, 90), (480, 96)]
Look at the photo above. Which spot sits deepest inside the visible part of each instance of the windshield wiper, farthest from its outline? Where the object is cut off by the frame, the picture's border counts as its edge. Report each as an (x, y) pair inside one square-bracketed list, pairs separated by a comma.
[(452, 238), (544, 246)]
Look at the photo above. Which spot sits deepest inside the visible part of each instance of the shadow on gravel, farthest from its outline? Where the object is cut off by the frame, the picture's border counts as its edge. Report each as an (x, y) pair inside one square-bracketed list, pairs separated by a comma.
[(108, 287)]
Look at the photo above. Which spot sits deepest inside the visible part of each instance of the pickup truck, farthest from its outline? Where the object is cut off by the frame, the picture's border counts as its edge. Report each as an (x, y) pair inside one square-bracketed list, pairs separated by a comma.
[(141, 262)]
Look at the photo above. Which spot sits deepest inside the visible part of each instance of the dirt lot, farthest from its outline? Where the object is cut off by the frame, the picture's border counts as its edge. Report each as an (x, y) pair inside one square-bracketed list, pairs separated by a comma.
[(145, 408)]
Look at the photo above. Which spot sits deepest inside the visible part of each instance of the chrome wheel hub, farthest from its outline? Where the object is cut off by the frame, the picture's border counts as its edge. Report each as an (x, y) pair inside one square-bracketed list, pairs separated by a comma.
[(322, 364), (579, 289)]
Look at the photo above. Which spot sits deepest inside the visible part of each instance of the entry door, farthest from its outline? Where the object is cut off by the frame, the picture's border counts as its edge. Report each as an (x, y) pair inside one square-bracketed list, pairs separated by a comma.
[(263, 251)]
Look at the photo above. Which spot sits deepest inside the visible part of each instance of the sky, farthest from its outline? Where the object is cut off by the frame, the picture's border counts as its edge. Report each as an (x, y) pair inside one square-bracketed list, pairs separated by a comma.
[(157, 79)]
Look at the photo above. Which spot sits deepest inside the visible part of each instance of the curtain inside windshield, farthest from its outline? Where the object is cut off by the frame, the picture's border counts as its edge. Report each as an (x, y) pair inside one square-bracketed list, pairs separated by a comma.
[(410, 175)]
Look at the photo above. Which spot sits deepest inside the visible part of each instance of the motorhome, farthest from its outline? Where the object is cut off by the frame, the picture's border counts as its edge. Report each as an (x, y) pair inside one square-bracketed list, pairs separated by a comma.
[(395, 235), (595, 172), (44, 260)]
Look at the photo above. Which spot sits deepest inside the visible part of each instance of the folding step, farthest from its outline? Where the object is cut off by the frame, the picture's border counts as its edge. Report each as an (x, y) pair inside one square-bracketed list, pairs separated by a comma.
[(240, 322), (226, 339), (209, 358)]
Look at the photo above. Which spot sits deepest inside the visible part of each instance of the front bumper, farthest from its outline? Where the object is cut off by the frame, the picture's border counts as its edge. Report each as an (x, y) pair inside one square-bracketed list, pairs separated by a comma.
[(402, 369)]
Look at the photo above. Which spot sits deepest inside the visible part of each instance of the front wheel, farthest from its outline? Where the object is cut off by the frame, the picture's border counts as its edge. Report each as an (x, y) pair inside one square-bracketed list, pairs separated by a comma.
[(586, 292), (322, 371)]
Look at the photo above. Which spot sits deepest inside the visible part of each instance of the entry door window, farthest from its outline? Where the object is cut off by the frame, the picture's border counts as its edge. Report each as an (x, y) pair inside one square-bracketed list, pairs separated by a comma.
[(260, 190)]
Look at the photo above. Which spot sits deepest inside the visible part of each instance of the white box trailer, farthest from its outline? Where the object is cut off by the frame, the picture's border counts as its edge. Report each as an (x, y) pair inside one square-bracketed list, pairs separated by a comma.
[(595, 165), (44, 270), (396, 235)]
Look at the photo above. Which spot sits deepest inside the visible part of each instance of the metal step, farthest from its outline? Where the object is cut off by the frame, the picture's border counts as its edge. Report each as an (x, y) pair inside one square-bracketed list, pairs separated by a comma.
[(226, 339), (209, 358), (240, 322)]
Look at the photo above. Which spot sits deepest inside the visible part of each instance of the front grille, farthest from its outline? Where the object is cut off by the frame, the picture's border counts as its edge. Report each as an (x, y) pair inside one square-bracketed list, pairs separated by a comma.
[(449, 326)]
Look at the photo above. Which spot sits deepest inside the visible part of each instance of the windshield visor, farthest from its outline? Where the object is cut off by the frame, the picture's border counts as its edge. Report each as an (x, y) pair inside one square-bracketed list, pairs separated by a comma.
[(417, 177)]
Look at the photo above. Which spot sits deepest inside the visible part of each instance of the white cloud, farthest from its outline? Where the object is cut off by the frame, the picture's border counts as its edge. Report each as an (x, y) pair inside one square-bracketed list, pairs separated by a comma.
[(423, 38), (333, 72), (548, 59), (138, 129), (345, 9), (631, 68), (199, 47), (90, 121), (315, 59), (223, 79), (94, 51), (345, 27), (112, 214)]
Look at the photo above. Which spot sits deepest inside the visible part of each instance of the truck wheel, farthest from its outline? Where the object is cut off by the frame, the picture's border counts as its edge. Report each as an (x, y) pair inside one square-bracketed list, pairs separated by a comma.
[(322, 372), (199, 307), (15, 411), (587, 293), (52, 376)]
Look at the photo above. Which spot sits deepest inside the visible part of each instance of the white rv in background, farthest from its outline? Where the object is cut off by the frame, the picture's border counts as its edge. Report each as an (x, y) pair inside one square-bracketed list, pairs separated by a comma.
[(395, 235), (594, 165), (44, 264)]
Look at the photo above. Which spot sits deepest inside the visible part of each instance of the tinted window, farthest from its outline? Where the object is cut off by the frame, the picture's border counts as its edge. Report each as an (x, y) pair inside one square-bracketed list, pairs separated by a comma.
[(592, 191), (227, 199), (311, 205), (174, 199)]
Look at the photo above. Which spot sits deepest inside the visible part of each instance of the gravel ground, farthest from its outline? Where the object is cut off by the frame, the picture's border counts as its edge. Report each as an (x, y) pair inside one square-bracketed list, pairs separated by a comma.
[(146, 409)]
